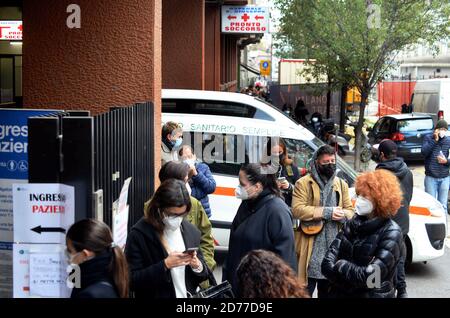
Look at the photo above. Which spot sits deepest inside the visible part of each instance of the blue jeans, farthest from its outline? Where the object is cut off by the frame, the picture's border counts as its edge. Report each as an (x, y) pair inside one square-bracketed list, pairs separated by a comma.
[(438, 188)]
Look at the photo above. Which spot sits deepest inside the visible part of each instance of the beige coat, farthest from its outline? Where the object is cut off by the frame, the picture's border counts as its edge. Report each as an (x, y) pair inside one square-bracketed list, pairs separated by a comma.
[(168, 155), (306, 207)]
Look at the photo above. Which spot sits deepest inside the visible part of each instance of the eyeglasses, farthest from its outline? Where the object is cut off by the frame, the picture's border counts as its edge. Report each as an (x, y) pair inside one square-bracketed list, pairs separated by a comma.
[(174, 215)]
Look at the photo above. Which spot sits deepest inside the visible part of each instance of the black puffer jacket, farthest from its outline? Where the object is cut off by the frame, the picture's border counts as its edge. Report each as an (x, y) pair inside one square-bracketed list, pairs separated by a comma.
[(405, 177), (359, 250)]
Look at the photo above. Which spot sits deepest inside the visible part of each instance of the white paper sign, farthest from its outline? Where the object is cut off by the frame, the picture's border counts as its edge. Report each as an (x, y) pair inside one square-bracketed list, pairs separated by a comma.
[(47, 275), (120, 216), (42, 212), (32, 263)]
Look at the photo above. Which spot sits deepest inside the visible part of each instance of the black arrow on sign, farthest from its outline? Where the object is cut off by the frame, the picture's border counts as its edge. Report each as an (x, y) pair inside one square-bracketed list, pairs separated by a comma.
[(39, 229)]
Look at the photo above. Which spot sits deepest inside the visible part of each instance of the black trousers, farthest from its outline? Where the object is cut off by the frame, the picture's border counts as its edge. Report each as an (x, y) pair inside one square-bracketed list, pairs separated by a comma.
[(323, 287), (400, 282)]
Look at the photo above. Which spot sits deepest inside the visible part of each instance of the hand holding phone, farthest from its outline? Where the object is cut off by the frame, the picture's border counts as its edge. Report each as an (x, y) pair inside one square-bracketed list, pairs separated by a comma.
[(191, 250)]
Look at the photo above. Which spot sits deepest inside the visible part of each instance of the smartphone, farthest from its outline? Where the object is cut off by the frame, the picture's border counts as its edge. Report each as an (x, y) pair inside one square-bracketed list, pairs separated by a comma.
[(281, 179), (191, 250)]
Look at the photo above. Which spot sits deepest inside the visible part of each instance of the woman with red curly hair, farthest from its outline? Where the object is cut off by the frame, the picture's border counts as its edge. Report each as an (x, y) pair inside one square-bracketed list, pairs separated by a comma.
[(262, 274), (362, 260)]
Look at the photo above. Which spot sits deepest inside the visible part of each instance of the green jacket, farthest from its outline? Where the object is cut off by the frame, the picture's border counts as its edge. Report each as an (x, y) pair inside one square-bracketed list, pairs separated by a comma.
[(197, 216)]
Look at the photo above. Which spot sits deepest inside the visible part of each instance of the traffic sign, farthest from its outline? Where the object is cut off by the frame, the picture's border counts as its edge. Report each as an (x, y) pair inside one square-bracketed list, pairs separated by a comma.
[(264, 67), (245, 19)]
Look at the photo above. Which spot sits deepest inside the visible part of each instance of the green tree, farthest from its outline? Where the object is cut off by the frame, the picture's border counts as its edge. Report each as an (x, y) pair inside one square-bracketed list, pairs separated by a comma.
[(357, 41)]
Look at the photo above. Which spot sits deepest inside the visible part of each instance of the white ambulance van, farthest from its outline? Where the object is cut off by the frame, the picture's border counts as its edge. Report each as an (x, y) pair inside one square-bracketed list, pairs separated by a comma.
[(227, 130)]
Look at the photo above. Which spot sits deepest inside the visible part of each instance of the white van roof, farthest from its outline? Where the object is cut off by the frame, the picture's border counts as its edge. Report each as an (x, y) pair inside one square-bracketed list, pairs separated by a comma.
[(211, 95), (282, 125)]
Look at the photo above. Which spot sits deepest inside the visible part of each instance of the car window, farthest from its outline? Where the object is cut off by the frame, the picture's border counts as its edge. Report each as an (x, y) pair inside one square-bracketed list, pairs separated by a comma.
[(225, 153), (221, 152), (302, 152), (415, 125), (385, 125), (377, 125), (214, 108)]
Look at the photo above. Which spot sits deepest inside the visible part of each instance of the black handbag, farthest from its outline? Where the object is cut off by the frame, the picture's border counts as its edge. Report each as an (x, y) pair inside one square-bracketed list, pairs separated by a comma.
[(222, 290)]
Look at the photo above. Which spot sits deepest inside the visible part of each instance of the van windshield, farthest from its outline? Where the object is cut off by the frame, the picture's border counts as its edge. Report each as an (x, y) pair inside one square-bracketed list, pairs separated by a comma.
[(302, 152)]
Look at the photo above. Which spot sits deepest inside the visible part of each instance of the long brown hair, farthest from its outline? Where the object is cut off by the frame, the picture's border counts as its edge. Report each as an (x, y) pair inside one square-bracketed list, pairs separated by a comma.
[(279, 142), (95, 236), (171, 193), (262, 274)]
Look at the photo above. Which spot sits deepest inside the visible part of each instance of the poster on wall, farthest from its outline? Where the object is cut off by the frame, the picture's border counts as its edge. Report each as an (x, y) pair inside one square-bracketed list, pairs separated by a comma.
[(11, 30), (13, 169), (43, 213), (40, 271)]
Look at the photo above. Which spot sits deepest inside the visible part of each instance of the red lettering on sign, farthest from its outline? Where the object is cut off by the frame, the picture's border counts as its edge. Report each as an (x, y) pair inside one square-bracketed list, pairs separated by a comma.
[(56, 209), (1, 29)]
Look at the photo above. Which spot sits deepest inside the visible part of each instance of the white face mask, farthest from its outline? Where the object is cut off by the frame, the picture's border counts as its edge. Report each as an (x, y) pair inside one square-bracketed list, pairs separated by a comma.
[(190, 162), (241, 193), (363, 206), (442, 133), (315, 119), (173, 223)]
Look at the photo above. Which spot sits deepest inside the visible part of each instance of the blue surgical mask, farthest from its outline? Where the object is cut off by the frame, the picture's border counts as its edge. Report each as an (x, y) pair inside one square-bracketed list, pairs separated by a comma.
[(177, 143)]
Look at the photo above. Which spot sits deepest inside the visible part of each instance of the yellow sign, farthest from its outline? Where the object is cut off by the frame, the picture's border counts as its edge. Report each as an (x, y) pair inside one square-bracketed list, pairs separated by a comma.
[(264, 67), (353, 96)]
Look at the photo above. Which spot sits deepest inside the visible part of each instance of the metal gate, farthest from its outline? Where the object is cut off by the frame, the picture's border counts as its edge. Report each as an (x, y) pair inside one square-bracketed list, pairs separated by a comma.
[(95, 155)]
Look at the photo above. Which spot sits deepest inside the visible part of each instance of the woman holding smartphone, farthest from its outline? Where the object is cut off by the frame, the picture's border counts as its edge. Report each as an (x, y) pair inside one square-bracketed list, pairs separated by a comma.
[(162, 248), (287, 174)]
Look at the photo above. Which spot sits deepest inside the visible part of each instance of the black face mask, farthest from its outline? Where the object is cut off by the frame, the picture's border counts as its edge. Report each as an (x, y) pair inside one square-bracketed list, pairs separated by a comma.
[(327, 170)]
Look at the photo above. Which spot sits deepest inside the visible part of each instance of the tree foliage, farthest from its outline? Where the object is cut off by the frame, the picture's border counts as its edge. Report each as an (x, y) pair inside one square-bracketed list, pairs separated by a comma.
[(356, 42)]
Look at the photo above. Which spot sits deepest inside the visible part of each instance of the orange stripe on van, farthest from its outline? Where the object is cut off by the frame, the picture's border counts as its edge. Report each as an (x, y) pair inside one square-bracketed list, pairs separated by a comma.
[(229, 192), (419, 210)]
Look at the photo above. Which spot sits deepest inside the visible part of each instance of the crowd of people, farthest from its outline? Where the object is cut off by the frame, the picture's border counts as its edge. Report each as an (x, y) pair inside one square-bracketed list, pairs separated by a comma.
[(335, 248)]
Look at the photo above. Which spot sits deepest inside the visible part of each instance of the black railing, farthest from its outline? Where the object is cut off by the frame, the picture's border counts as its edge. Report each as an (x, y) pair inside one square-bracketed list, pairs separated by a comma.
[(124, 148), (96, 154)]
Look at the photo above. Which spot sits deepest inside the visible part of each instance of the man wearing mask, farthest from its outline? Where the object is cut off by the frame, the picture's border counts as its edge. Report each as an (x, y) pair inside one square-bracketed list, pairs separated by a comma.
[(389, 161), (172, 138), (435, 149), (321, 202)]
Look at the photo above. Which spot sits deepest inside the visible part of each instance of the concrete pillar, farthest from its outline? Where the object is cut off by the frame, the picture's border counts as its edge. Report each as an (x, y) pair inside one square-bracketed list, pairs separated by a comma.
[(183, 44), (114, 59)]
